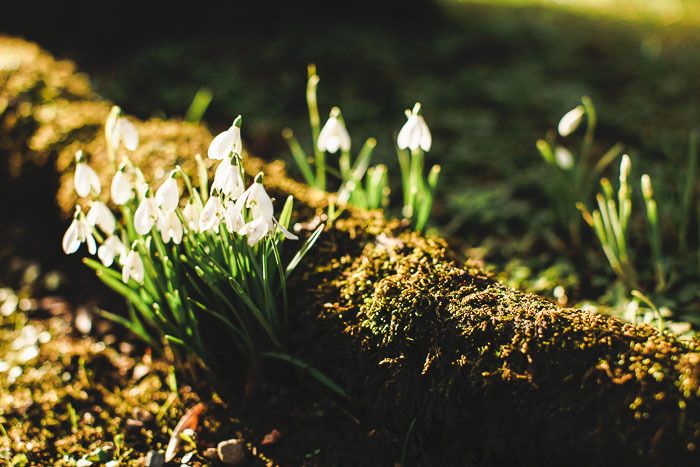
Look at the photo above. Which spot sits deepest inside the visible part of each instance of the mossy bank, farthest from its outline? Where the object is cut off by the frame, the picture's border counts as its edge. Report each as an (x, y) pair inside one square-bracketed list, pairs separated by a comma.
[(483, 374)]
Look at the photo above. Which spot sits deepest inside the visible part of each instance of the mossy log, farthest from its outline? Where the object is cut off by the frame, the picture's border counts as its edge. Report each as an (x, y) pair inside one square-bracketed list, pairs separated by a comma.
[(486, 374)]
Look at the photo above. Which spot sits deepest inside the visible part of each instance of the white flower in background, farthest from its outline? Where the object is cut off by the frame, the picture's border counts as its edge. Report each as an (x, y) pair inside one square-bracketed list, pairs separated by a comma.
[(170, 227), (334, 135), (121, 188), (146, 215), (101, 216), (168, 194), (211, 214), (227, 142), (625, 168), (262, 212), (110, 249), (85, 179), (132, 268), (571, 121), (415, 132), (79, 232), (563, 158), (191, 213), (228, 179), (120, 130), (233, 215)]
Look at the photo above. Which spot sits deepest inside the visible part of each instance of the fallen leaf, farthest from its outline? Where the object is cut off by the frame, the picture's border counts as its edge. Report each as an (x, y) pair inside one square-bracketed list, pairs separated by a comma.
[(272, 437)]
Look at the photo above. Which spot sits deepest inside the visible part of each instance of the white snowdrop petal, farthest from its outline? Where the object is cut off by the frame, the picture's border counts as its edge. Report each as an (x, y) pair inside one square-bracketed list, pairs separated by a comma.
[(570, 121), (129, 134), (221, 146), (91, 244), (121, 189), (287, 234), (145, 216), (168, 195), (71, 241), (426, 139), (404, 139), (563, 158), (81, 180), (209, 218)]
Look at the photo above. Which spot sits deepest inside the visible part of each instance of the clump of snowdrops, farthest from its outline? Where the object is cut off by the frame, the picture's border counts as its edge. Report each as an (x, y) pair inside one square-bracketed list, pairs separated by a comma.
[(359, 183), (656, 265), (201, 268)]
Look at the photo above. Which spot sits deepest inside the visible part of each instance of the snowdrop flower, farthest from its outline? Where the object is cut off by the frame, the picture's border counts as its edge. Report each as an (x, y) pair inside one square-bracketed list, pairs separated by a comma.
[(110, 249), (571, 120), (191, 213), (170, 227), (563, 158), (120, 130), (132, 268), (121, 188), (255, 230), (146, 215), (334, 135), (85, 179), (101, 216), (415, 132), (228, 179), (233, 215), (227, 142), (78, 232), (263, 221), (168, 194), (211, 214)]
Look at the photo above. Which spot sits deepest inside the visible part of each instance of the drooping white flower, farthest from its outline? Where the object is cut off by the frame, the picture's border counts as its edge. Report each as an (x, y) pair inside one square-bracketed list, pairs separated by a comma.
[(101, 216), (563, 158), (262, 221), (415, 132), (228, 179), (255, 230), (571, 121), (118, 129), (168, 195), (146, 215), (110, 249), (85, 179), (233, 215), (227, 142), (78, 232), (334, 135), (133, 268), (121, 188), (211, 214), (170, 227), (191, 213)]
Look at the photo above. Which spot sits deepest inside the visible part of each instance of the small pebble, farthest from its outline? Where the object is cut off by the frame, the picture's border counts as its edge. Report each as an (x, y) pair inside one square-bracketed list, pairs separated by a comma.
[(231, 452)]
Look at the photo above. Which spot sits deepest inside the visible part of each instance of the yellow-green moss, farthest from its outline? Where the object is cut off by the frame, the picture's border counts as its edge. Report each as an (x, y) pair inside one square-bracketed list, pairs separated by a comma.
[(489, 374)]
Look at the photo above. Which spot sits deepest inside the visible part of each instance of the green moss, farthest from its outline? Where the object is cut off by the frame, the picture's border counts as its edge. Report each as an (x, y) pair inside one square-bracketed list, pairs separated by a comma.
[(489, 374)]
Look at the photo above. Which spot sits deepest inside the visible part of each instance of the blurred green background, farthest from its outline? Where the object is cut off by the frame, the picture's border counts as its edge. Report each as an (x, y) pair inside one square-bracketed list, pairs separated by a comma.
[(492, 75)]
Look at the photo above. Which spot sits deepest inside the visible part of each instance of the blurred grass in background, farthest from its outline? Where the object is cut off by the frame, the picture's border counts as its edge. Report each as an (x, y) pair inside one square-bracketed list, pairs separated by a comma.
[(657, 11), (492, 76)]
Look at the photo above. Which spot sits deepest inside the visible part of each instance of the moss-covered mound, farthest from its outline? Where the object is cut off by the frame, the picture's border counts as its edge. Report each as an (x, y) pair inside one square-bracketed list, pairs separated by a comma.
[(462, 369)]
